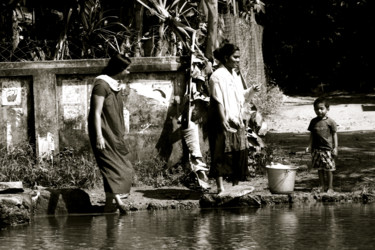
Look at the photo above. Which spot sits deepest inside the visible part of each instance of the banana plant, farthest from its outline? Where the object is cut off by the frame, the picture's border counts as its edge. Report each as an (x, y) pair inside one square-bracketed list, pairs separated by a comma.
[(173, 18), (62, 47)]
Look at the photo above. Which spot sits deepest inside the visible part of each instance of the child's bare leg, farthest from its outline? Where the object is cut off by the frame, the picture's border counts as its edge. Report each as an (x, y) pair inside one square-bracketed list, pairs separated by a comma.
[(321, 180), (219, 184), (330, 181)]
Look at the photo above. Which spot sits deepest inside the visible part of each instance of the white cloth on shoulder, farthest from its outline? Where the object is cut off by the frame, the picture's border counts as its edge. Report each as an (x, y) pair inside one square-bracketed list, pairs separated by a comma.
[(113, 84)]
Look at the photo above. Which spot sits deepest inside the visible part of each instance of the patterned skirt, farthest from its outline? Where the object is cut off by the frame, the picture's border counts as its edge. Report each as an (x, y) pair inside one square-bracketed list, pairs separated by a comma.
[(323, 160)]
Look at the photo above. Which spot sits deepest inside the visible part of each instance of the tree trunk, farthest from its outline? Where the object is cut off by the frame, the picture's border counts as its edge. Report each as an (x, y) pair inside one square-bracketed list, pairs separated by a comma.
[(139, 28), (210, 10)]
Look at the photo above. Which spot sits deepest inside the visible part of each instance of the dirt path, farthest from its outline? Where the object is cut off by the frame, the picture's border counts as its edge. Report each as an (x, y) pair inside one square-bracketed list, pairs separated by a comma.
[(355, 116)]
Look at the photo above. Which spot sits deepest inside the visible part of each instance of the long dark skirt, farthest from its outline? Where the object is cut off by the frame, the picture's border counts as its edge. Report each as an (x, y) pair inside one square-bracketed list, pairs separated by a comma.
[(229, 156), (117, 171)]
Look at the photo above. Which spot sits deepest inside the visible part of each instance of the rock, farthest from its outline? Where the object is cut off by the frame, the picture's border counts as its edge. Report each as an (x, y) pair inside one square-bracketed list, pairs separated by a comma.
[(232, 196), (11, 187), (62, 201), (14, 209), (10, 201)]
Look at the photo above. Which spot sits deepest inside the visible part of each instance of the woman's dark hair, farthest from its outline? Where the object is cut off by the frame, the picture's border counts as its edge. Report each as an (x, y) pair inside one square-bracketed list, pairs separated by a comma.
[(321, 100), (224, 52), (116, 64)]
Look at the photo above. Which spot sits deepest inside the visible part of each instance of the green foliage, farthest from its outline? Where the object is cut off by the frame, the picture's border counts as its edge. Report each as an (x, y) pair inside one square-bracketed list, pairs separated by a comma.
[(72, 170), (98, 31), (79, 170), (268, 100), (154, 172), (66, 170), (259, 159)]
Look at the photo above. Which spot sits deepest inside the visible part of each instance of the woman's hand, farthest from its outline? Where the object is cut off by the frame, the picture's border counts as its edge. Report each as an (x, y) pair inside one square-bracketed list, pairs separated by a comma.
[(256, 87), (100, 144), (231, 126), (228, 128)]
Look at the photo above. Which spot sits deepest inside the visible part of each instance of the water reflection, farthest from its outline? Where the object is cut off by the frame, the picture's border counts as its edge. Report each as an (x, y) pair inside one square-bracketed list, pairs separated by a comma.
[(338, 226)]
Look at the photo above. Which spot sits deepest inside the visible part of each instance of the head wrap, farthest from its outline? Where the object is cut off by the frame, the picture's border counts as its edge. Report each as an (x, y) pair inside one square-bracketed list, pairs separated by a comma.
[(116, 65)]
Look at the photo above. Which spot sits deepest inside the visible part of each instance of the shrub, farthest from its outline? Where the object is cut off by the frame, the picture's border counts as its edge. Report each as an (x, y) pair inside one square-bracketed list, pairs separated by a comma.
[(154, 172), (268, 100)]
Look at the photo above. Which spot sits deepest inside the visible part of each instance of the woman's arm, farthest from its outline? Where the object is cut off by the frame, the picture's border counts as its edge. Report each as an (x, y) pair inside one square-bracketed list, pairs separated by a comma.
[(98, 106), (335, 143)]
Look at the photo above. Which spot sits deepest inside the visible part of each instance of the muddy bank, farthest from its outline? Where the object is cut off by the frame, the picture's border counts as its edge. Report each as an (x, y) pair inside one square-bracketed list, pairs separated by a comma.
[(21, 208)]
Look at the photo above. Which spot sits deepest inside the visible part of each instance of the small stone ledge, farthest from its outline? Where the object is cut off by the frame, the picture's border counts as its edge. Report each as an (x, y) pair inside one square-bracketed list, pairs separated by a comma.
[(265, 198), (11, 187)]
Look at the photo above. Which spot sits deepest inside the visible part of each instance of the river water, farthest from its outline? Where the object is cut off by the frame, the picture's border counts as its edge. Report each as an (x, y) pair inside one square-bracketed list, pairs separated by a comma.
[(318, 226)]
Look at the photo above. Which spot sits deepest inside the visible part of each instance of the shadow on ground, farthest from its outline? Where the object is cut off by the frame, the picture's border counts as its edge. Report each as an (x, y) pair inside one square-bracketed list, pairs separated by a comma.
[(170, 194)]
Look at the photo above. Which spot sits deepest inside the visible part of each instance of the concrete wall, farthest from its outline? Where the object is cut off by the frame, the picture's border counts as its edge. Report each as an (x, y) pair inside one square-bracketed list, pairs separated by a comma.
[(46, 104)]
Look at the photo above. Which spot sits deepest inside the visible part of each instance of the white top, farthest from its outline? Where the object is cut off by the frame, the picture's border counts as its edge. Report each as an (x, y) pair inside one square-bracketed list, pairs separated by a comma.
[(227, 89)]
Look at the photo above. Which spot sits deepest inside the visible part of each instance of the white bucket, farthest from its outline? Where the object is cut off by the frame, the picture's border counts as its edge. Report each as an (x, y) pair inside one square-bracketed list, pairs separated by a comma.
[(281, 178)]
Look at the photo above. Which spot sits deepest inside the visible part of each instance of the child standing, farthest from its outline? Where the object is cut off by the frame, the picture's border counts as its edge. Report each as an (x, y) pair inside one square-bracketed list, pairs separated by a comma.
[(323, 144)]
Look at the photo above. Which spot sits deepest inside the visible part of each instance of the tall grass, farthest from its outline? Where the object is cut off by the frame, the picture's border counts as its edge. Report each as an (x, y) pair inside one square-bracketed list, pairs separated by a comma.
[(66, 169), (70, 169)]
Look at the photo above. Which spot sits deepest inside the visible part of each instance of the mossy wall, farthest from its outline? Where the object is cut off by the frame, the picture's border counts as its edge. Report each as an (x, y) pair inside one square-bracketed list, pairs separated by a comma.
[(46, 104)]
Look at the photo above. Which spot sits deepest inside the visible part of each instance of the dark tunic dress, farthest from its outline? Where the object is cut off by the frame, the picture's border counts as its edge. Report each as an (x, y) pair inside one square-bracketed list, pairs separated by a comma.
[(116, 170)]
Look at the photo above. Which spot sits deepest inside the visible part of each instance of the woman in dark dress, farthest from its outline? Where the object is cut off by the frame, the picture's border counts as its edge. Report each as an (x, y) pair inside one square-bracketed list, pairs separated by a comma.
[(107, 131), (227, 134)]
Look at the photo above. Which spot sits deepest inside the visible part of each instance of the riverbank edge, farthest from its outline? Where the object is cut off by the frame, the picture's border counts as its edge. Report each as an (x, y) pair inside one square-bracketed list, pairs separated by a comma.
[(21, 208)]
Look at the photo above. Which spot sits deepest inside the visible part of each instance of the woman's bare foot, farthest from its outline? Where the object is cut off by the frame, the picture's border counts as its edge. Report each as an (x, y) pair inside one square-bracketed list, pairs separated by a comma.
[(330, 191), (123, 196), (220, 190), (122, 208)]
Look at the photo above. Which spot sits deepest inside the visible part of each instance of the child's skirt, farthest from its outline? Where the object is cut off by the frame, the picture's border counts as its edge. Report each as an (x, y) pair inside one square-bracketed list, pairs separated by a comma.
[(323, 160)]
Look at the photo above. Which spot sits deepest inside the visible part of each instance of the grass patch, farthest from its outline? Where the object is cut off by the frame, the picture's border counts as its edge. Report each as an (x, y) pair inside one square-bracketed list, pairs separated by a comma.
[(73, 169), (66, 169)]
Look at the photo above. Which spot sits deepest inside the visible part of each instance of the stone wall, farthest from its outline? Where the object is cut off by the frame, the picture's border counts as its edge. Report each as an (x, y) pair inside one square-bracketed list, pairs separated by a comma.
[(46, 104)]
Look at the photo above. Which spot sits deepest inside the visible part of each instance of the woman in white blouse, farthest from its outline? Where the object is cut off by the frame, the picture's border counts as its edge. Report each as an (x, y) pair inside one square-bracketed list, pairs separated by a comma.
[(227, 130)]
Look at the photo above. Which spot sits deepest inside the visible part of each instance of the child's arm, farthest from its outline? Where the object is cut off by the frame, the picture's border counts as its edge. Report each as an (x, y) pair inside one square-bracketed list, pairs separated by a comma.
[(335, 144), (308, 149)]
